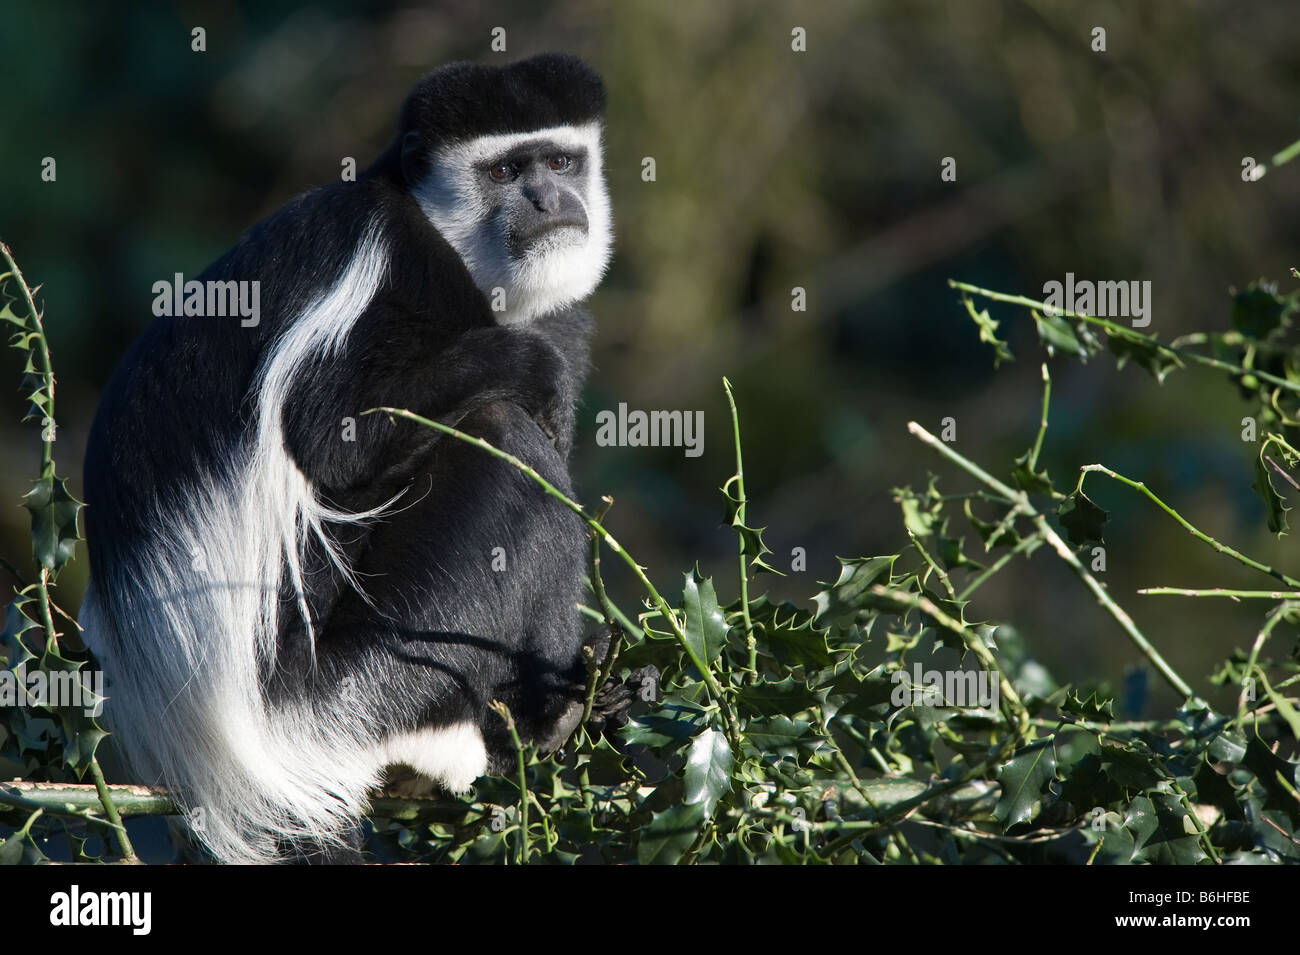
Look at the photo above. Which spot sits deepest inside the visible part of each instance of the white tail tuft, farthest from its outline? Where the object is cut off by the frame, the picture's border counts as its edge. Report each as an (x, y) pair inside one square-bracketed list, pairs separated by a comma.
[(180, 637)]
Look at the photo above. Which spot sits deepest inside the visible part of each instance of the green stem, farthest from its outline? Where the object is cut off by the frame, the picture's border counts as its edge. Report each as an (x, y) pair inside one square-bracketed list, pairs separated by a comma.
[(1042, 423), (597, 581), (1201, 832), (1194, 531), (47, 618), (548, 834), (16, 795), (1285, 155), (1252, 661), (597, 674), (1176, 353), (626, 625), (82, 800), (942, 574), (48, 433), (26, 830), (504, 712), (602, 677), (1095, 849), (1045, 530), (42, 354), (1026, 544), (751, 644), (1221, 592), (110, 810)]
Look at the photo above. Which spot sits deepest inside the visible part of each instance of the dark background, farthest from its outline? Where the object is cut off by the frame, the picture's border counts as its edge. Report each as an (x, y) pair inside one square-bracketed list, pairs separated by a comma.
[(775, 169)]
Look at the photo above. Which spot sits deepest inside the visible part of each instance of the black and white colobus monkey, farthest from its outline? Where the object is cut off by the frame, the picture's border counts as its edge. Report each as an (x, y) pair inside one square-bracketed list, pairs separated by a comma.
[(289, 596)]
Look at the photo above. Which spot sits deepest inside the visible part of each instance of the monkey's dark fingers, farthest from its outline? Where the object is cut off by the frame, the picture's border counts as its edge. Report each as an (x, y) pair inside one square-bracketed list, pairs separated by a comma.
[(614, 701)]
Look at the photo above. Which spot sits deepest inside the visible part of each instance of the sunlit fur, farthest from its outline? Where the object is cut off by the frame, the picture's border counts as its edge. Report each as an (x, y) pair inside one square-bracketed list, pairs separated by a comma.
[(562, 268)]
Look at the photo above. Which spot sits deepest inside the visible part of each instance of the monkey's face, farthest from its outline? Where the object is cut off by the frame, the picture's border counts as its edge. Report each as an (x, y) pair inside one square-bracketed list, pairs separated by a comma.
[(527, 212)]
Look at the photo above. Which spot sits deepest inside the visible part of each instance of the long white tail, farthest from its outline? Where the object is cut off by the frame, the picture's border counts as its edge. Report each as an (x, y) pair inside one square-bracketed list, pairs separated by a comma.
[(179, 625)]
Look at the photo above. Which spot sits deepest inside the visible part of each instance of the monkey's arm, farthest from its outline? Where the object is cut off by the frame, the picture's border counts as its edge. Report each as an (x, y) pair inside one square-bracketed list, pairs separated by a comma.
[(395, 358)]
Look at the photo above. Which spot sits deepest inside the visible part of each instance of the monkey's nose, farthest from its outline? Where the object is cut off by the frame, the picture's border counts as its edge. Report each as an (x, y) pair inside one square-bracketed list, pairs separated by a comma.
[(544, 196)]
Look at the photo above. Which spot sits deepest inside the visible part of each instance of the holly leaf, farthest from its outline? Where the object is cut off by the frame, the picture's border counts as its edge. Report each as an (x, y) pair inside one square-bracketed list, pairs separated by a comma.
[(1056, 334), (54, 521), (1117, 845), (1133, 770), (789, 633), (1163, 831), (953, 554), (705, 625), (1024, 782), (751, 538), (1275, 505), (1213, 788), (1258, 310), (922, 513), (7, 314), (1142, 351), (1276, 775), (988, 332), (851, 590), (1083, 520), (779, 734), (670, 834), (1027, 479), (775, 698), (21, 849), (1094, 708), (673, 723), (17, 622), (708, 769)]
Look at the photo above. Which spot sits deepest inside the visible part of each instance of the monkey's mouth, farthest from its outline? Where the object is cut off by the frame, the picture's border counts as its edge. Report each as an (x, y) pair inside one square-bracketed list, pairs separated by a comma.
[(521, 240)]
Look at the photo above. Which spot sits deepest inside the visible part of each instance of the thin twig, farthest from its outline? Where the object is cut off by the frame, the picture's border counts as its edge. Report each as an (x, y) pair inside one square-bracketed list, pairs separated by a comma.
[(1026, 544), (1187, 525), (1286, 475), (1042, 423), (751, 645), (110, 810), (1220, 592)]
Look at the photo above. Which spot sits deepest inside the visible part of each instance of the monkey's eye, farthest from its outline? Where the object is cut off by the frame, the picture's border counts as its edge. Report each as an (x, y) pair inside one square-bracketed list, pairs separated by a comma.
[(502, 172), (559, 162)]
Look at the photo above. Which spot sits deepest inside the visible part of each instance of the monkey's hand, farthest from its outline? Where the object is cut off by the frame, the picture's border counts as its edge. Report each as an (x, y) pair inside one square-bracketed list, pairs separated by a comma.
[(506, 364)]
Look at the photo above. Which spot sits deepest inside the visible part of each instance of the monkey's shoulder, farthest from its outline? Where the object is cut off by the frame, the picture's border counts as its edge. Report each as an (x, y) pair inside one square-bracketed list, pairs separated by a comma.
[(302, 250)]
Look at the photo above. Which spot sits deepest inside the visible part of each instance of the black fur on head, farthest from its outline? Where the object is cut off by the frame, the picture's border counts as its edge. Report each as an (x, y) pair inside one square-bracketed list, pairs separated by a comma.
[(460, 101)]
